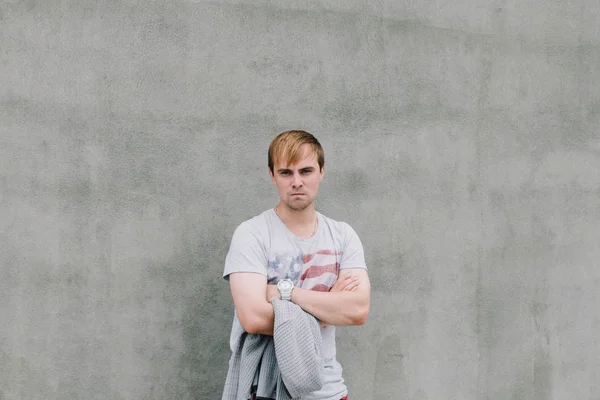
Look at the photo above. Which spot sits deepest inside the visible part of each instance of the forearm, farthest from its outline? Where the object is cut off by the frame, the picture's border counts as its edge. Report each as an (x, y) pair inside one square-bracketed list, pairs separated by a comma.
[(334, 308)]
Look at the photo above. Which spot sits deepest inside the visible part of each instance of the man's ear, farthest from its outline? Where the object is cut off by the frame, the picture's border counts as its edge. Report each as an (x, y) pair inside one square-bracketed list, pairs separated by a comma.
[(272, 176)]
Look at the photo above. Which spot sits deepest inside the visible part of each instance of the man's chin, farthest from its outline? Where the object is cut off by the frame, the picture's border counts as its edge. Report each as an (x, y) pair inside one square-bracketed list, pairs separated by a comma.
[(299, 206)]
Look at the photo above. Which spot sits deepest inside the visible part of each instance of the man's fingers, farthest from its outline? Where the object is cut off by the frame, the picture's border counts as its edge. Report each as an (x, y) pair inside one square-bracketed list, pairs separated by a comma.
[(345, 284), (348, 283), (352, 287), (342, 283)]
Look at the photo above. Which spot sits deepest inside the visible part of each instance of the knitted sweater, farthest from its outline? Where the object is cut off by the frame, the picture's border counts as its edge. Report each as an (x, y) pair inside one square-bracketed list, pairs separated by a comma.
[(289, 362)]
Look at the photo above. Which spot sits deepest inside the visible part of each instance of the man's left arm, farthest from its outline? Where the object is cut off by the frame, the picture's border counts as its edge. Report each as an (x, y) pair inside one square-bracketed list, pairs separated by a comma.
[(349, 306)]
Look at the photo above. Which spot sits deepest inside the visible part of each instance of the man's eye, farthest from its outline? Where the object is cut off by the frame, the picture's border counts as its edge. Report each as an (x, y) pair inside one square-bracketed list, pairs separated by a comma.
[(285, 173)]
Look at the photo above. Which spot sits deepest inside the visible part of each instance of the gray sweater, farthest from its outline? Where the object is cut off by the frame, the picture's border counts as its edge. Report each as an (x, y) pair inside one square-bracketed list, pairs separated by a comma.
[(289, 363)]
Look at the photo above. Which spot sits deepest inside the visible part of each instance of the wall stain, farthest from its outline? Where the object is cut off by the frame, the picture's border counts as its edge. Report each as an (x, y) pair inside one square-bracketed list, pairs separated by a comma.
[(390, 381), (542, 361)]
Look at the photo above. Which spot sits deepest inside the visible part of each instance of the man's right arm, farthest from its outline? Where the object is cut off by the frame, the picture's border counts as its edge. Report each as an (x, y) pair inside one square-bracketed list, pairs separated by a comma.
[(246, 270), (248, 289)]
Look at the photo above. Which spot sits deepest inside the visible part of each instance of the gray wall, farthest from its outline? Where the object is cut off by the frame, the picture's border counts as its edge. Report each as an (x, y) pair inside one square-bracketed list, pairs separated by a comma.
[(462, 143)]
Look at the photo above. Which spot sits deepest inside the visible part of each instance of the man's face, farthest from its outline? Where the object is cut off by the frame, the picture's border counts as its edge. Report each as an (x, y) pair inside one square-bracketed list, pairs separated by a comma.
[(298, 184)]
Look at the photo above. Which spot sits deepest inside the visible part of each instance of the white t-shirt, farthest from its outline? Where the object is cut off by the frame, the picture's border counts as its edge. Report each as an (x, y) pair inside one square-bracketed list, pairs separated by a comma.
[(265, 245)]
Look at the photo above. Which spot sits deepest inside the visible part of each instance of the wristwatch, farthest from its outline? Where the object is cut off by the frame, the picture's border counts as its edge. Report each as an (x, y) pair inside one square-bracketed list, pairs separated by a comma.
[(285, 289)]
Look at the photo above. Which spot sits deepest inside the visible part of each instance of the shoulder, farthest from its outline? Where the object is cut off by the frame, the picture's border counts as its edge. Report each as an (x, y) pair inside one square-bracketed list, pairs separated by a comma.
[(257, 225), (349, 244), (338, 228), (247, 251)]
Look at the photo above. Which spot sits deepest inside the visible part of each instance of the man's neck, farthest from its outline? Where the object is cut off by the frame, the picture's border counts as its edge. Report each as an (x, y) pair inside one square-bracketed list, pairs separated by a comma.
[(301, 223)]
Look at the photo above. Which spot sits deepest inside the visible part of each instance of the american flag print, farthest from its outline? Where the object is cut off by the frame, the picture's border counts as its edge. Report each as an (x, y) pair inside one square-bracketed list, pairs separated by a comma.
[(316, 271)]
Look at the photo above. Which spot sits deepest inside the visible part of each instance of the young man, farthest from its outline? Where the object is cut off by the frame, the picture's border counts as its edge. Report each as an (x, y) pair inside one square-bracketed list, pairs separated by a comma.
[(293, 252)]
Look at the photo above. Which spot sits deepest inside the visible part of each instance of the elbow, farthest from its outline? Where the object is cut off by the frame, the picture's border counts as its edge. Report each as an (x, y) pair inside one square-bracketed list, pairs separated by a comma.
[(256, 322), (361, 316), (251, 324), (252, 329), (248, 325)]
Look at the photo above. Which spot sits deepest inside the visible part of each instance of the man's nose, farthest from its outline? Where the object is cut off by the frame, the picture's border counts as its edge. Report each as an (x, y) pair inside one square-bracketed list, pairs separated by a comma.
[(297, 182)]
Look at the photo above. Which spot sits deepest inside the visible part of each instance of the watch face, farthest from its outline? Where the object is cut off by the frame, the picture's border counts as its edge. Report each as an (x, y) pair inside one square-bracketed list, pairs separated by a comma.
[(285, 285)]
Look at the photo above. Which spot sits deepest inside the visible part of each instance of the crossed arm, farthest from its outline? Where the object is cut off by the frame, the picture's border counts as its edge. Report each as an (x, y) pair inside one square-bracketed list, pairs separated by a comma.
[(347, 303)]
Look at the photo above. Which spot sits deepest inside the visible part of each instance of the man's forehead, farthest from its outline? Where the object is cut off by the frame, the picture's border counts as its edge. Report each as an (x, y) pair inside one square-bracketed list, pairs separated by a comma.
[(308, 159)]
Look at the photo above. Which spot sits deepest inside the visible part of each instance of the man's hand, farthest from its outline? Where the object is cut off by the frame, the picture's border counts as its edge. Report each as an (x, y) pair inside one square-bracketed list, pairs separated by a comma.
[(349, 283), (350, 308), (272, 293)]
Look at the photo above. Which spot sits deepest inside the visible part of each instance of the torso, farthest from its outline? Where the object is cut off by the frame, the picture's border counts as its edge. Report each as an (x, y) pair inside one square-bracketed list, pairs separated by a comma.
[(311, 263)]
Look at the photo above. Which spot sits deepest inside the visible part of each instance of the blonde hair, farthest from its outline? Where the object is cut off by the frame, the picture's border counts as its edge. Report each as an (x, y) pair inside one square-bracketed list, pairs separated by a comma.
[(287, 146)]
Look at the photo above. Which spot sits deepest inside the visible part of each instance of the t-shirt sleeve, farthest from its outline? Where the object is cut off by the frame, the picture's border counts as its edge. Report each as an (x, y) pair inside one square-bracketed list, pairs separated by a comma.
[(246, 252), (353, 255)]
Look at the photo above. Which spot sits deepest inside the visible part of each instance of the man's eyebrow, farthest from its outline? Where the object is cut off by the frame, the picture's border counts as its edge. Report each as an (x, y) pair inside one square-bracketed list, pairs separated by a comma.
[(308, 168)]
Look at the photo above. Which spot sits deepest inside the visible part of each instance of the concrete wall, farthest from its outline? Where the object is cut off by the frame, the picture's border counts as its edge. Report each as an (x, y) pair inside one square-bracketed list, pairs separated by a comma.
[(463, 145)]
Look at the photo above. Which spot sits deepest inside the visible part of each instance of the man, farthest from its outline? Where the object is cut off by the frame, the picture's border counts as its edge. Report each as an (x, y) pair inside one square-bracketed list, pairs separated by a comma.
[(293, 252)]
